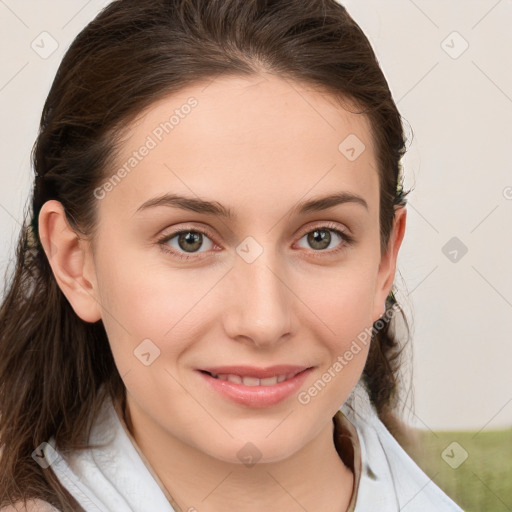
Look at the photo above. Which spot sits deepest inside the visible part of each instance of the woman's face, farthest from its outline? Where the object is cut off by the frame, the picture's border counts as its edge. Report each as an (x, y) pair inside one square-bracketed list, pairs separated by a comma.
[(272, 284)]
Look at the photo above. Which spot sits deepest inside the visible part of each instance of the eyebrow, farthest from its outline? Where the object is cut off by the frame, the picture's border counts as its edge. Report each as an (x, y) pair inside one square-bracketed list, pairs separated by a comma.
[(215, 208)]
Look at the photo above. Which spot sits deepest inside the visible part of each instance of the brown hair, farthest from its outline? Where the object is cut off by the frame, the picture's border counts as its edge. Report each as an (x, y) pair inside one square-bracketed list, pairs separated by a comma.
[(56, 369)]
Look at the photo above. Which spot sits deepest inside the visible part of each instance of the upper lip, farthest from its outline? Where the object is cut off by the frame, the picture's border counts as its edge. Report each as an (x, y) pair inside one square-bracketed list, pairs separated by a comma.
[(253, 371)]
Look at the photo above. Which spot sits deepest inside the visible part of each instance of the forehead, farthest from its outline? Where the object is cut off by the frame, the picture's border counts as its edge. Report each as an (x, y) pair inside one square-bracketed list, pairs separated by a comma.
[(262, 141)]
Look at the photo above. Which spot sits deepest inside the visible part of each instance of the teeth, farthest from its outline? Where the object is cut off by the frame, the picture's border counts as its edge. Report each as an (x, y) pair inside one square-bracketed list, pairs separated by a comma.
[(252, 381), (234, 378)]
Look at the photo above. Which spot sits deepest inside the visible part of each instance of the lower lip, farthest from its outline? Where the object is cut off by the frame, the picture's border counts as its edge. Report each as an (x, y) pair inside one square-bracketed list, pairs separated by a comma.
[(257, 396)]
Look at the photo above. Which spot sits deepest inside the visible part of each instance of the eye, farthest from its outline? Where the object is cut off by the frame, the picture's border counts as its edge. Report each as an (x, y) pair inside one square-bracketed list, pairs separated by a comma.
[(324, 237), (186, 241)]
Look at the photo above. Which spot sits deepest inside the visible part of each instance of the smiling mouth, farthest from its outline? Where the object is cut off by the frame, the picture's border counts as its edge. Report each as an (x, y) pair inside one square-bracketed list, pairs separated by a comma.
[(255, 387)]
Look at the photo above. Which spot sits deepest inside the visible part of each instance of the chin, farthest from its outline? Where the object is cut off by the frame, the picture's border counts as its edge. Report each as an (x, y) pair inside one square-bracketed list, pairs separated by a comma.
[(248, 453)]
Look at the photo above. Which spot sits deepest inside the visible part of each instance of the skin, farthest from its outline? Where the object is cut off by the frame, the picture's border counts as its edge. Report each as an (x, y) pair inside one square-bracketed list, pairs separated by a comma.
[(258, 146)]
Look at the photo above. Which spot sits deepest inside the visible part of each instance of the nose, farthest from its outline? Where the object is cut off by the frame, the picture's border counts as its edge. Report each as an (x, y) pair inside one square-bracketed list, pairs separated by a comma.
[(259, 310)]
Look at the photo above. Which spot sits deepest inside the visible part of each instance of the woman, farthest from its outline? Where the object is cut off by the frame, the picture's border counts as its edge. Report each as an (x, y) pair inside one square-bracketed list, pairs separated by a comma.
[(257, 368)]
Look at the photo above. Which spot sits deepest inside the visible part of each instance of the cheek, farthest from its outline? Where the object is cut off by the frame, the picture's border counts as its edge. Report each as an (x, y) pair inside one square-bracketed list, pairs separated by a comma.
[(342, 298), (342, 303), (134, 303), (149, 302), (344, 330)]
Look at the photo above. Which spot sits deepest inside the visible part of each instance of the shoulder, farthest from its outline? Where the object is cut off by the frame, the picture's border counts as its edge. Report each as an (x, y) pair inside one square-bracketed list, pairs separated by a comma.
[(35, 505)]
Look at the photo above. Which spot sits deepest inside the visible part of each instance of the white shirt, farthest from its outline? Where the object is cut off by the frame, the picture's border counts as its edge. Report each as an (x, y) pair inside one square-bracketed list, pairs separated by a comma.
[(116, 477)]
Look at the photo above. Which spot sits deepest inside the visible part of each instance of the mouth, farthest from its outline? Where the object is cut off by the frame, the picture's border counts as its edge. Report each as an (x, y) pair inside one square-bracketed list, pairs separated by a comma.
[(255, 387)]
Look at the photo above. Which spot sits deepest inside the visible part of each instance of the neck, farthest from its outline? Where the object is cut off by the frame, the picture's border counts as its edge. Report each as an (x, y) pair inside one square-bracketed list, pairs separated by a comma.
[(314, 478)]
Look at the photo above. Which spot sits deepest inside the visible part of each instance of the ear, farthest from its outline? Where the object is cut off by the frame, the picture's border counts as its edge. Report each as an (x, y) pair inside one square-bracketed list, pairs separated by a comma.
[(387, 267), (71, 261)]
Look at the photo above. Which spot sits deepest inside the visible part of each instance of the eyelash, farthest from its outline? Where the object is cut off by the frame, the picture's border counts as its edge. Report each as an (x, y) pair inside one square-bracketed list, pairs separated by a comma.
[(347, 240)]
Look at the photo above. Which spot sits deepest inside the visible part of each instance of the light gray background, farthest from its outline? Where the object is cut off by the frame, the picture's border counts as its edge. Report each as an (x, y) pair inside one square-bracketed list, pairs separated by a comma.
[(459, 105)]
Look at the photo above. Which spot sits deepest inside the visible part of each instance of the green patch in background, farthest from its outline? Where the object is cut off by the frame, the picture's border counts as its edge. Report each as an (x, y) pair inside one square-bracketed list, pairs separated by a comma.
[(473, 468)]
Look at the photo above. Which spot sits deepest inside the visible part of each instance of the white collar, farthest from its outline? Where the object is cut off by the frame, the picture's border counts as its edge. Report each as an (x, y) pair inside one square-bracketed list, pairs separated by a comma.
[(390, 480), (114, 478)]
